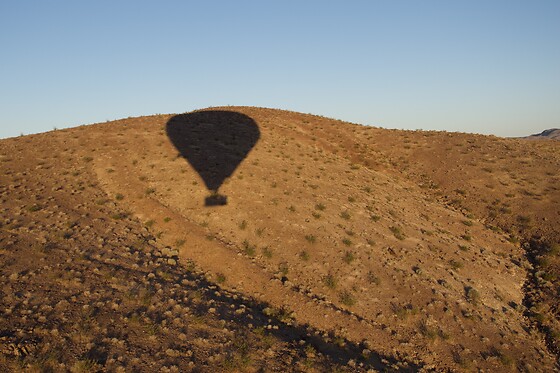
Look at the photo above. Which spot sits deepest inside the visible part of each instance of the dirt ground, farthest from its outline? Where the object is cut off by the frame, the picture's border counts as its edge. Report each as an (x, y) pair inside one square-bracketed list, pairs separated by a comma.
[(250, 239)]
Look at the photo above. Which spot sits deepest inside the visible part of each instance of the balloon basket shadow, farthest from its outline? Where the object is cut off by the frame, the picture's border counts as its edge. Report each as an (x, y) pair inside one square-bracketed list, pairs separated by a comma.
[(215, 200)]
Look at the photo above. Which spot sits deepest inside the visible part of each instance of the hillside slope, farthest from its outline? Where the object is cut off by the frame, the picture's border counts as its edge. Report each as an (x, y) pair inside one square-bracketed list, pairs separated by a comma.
[(552, 134), (248, 238)]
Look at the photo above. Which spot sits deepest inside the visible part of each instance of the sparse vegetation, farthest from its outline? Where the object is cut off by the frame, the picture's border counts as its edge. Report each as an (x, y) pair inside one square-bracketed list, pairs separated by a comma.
[(373, 279), (347, 298), (304, 255), (349, 257), (283, 268), (345, 215), (397, 232), (330, 281), (472, 295), (267, 252), (248, 249), (311, 238), (455, 264), (109, 283), (220, 278), (243, 225)]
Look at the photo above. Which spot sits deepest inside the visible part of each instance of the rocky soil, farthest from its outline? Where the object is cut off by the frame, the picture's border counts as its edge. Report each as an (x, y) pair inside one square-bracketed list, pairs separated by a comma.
[(333, 246)]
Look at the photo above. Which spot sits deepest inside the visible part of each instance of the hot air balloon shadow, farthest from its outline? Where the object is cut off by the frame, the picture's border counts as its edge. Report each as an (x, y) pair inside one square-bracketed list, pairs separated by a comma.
[(214, 143)]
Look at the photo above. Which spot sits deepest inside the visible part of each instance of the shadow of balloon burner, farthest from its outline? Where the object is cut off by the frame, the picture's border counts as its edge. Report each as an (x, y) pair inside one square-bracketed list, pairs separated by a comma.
[(214, 142)]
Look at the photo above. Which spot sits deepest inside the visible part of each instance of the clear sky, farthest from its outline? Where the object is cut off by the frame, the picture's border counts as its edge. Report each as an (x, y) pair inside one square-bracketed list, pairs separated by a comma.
[(484, 66)]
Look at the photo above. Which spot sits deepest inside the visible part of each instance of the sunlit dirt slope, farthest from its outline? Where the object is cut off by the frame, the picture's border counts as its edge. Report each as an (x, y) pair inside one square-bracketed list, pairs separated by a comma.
[(253, 239)]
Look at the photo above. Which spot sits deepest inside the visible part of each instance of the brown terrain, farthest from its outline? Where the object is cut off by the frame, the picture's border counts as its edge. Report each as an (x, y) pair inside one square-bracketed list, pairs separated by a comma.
[(250, 239)]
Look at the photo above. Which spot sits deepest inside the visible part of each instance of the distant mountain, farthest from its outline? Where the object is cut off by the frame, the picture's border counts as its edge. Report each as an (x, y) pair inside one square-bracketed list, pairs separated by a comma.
[(552, 134)]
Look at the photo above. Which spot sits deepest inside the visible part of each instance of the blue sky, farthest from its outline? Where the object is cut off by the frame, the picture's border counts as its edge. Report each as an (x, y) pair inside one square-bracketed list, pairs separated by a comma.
[(485, 66)]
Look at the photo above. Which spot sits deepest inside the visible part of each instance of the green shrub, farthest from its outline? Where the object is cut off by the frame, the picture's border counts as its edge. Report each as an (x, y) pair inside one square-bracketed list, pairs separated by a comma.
[(472, 295), (347, 298), (330, 281), (347, 241), (455, 264), (248, 249), (349, 257), (267, 252), (397, 232), (220, 278), (304, 255), (283, 268)]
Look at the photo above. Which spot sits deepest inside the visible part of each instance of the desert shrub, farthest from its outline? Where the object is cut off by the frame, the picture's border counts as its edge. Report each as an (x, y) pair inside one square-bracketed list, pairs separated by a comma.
[(347, 298), (345, 215), (330, 281), (121, 215), (34, 208), (455, 264), (373, 279), (283, 268), (304, 255), (522, 219), (248, 249), (267, 252), (310, 238), (347, 241), (472, 295), (349, 257), (403, 311), (220, 278), (554, 249), (397, 232)]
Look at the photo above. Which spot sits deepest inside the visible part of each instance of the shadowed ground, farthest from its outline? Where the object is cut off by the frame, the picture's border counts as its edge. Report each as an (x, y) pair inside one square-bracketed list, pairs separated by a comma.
[(214, 143)]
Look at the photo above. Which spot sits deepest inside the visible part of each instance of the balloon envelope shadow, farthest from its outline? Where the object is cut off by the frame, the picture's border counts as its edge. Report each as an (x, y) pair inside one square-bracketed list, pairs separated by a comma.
[(214, 142)]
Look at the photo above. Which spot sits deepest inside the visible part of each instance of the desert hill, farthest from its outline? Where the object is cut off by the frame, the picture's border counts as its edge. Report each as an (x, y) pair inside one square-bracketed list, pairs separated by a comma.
[(257, 239), (552, 134)]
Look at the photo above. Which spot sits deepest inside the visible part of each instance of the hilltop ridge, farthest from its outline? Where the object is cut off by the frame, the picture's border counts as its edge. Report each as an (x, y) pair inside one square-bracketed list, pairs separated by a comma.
[(553, 134)]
